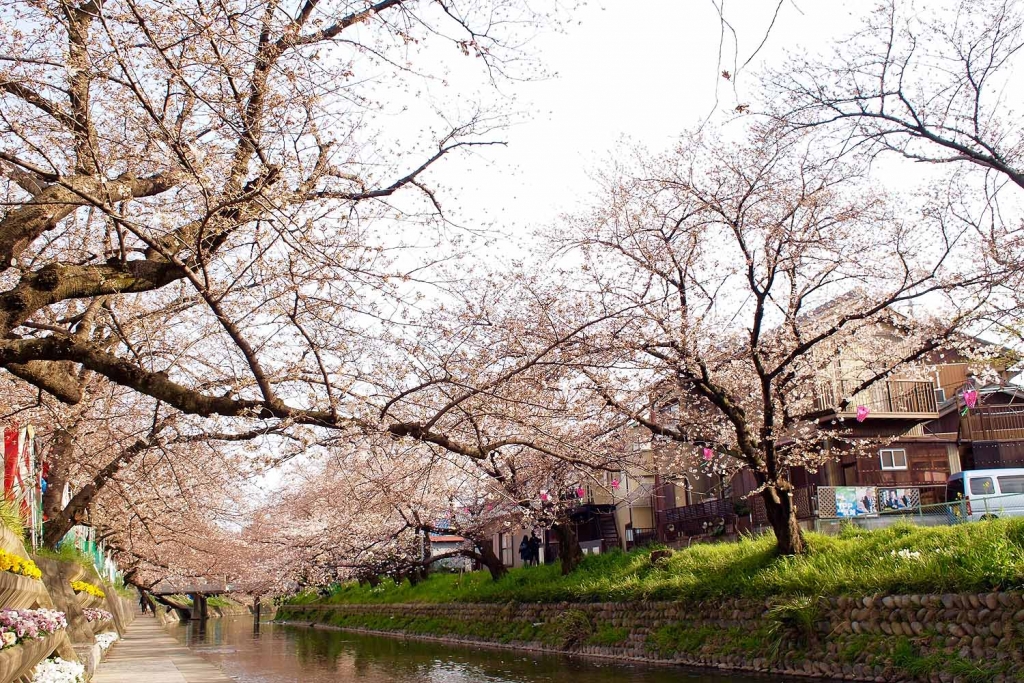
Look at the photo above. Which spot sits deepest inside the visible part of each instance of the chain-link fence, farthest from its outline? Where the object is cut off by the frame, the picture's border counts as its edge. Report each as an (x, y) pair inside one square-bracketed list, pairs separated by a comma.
[(976, 508)]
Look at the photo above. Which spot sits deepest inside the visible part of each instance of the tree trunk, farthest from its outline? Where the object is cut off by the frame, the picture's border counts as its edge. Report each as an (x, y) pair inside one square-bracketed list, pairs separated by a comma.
[(57, 524), (781, 512), (493, 563), (568, 546)]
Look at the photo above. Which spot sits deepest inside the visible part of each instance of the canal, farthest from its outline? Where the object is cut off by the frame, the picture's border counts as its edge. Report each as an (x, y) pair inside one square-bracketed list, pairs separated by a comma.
[(288, 654)]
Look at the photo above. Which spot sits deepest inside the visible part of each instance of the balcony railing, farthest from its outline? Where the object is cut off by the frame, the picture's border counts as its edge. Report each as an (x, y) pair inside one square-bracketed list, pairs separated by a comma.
[(890, 398), (993, 423), (637, 537)]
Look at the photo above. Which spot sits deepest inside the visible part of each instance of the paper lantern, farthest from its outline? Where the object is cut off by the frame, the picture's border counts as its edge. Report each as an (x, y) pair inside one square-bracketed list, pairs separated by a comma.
[(971, 398), (862, 413)]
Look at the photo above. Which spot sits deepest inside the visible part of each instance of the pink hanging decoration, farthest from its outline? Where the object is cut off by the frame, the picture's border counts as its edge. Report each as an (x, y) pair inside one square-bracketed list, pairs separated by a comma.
[(971, 398), (544, 497), (615, 483), (580, 492), (708, 454), (862, 413)]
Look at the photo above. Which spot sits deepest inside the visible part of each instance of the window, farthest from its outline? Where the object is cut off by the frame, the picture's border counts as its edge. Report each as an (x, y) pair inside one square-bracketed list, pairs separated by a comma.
[(1011, 484), (954, 489), (893, 458), (940, 395), (506, 549), (982, 485)]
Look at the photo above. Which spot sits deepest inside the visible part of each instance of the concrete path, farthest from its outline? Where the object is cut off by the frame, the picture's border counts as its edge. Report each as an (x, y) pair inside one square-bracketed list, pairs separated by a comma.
[(147, 653)]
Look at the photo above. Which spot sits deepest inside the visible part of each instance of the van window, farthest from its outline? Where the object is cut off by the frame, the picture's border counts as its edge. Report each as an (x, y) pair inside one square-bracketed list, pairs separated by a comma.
[(954, 490), (1013, 483), (981, 486)]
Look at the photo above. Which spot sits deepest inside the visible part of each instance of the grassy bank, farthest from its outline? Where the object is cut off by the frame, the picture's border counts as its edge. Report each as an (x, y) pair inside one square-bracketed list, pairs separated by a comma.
[(899, 560)]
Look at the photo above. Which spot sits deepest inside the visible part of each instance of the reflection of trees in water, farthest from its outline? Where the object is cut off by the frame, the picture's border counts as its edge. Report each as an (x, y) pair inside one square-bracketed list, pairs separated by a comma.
[(424, 661), (278, 654)]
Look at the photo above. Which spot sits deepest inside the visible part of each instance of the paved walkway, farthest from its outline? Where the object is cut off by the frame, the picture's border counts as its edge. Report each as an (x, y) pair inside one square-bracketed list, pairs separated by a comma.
[(147, 653)]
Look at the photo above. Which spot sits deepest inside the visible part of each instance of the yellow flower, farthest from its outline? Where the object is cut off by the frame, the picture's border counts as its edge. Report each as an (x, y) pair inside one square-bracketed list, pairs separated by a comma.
[(19, 565), (83, 587)]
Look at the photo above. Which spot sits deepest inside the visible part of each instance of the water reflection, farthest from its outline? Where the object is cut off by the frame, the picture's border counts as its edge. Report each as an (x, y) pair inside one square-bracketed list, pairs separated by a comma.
[(284, 654)]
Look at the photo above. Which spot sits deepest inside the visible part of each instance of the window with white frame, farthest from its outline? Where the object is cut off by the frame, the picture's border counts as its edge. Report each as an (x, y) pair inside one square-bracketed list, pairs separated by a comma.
[(893, 458)]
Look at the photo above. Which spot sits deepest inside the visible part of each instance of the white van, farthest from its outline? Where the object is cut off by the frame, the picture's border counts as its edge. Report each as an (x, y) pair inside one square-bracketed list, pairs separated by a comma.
[(988, 494)]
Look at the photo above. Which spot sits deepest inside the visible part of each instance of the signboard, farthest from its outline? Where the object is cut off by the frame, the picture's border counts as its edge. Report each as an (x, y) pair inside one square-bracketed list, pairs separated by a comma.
[(894, 499), (855, 501)]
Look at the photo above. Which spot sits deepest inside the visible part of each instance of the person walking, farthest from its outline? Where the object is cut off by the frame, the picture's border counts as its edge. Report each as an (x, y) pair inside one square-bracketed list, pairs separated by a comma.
[(524, 551), (535, 544)]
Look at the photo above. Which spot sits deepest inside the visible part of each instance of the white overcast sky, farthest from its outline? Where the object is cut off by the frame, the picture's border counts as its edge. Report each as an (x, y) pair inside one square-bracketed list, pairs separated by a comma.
[(642, 70)]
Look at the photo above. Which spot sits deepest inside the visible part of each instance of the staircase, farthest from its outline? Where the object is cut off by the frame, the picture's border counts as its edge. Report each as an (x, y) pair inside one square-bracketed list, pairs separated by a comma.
[(609, 531)]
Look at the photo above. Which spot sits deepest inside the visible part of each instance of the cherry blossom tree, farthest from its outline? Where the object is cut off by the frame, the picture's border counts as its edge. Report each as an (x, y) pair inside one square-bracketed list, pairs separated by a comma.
[(218, 175), (745, 270), (936, 86)]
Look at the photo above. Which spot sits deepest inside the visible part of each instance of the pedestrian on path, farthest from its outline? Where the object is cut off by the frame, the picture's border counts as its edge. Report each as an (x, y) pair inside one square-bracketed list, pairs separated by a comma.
[(534, 544)]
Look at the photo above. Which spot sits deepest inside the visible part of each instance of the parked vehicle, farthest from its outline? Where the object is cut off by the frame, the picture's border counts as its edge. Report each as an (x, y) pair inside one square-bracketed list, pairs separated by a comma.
[(987, 494)]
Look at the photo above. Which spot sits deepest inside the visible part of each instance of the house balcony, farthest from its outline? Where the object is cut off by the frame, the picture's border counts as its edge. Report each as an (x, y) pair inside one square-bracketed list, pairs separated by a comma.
[(993, 423), (895, 399)]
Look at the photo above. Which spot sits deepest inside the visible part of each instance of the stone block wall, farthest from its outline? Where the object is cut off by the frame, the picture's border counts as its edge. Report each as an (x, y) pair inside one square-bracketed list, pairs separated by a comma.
[(934, 638)]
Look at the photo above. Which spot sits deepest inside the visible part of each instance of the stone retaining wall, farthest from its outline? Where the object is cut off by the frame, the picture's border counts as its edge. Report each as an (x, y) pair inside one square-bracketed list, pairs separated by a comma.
[(935, 638)]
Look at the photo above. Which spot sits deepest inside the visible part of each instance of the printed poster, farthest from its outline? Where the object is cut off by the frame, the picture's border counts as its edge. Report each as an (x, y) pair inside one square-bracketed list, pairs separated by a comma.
[(855, 501)]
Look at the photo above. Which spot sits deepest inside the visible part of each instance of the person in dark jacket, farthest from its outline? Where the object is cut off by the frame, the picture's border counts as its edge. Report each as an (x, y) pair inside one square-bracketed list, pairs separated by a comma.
[(534, 544), (524, 550)]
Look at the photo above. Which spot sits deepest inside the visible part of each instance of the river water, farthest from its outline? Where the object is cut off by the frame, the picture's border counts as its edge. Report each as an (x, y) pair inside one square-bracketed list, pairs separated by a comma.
[(289, 654)]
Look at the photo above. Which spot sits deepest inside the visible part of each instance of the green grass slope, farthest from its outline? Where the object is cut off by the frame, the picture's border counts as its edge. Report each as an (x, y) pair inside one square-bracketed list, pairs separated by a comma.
[(902, 559)]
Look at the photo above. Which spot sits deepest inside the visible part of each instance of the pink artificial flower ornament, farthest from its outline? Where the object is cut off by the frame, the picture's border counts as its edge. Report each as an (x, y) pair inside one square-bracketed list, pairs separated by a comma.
[(580, 492), (971, 398), (544, 497), (862, 413), (615, 483), (708, 453)]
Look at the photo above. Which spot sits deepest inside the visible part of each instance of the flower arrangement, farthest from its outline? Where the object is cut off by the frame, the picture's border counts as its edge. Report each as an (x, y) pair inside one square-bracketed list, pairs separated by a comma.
[(83, 587), (17, 625), (97, 614), (10, 562), (106, 639), (58, 670), (92, 614)]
